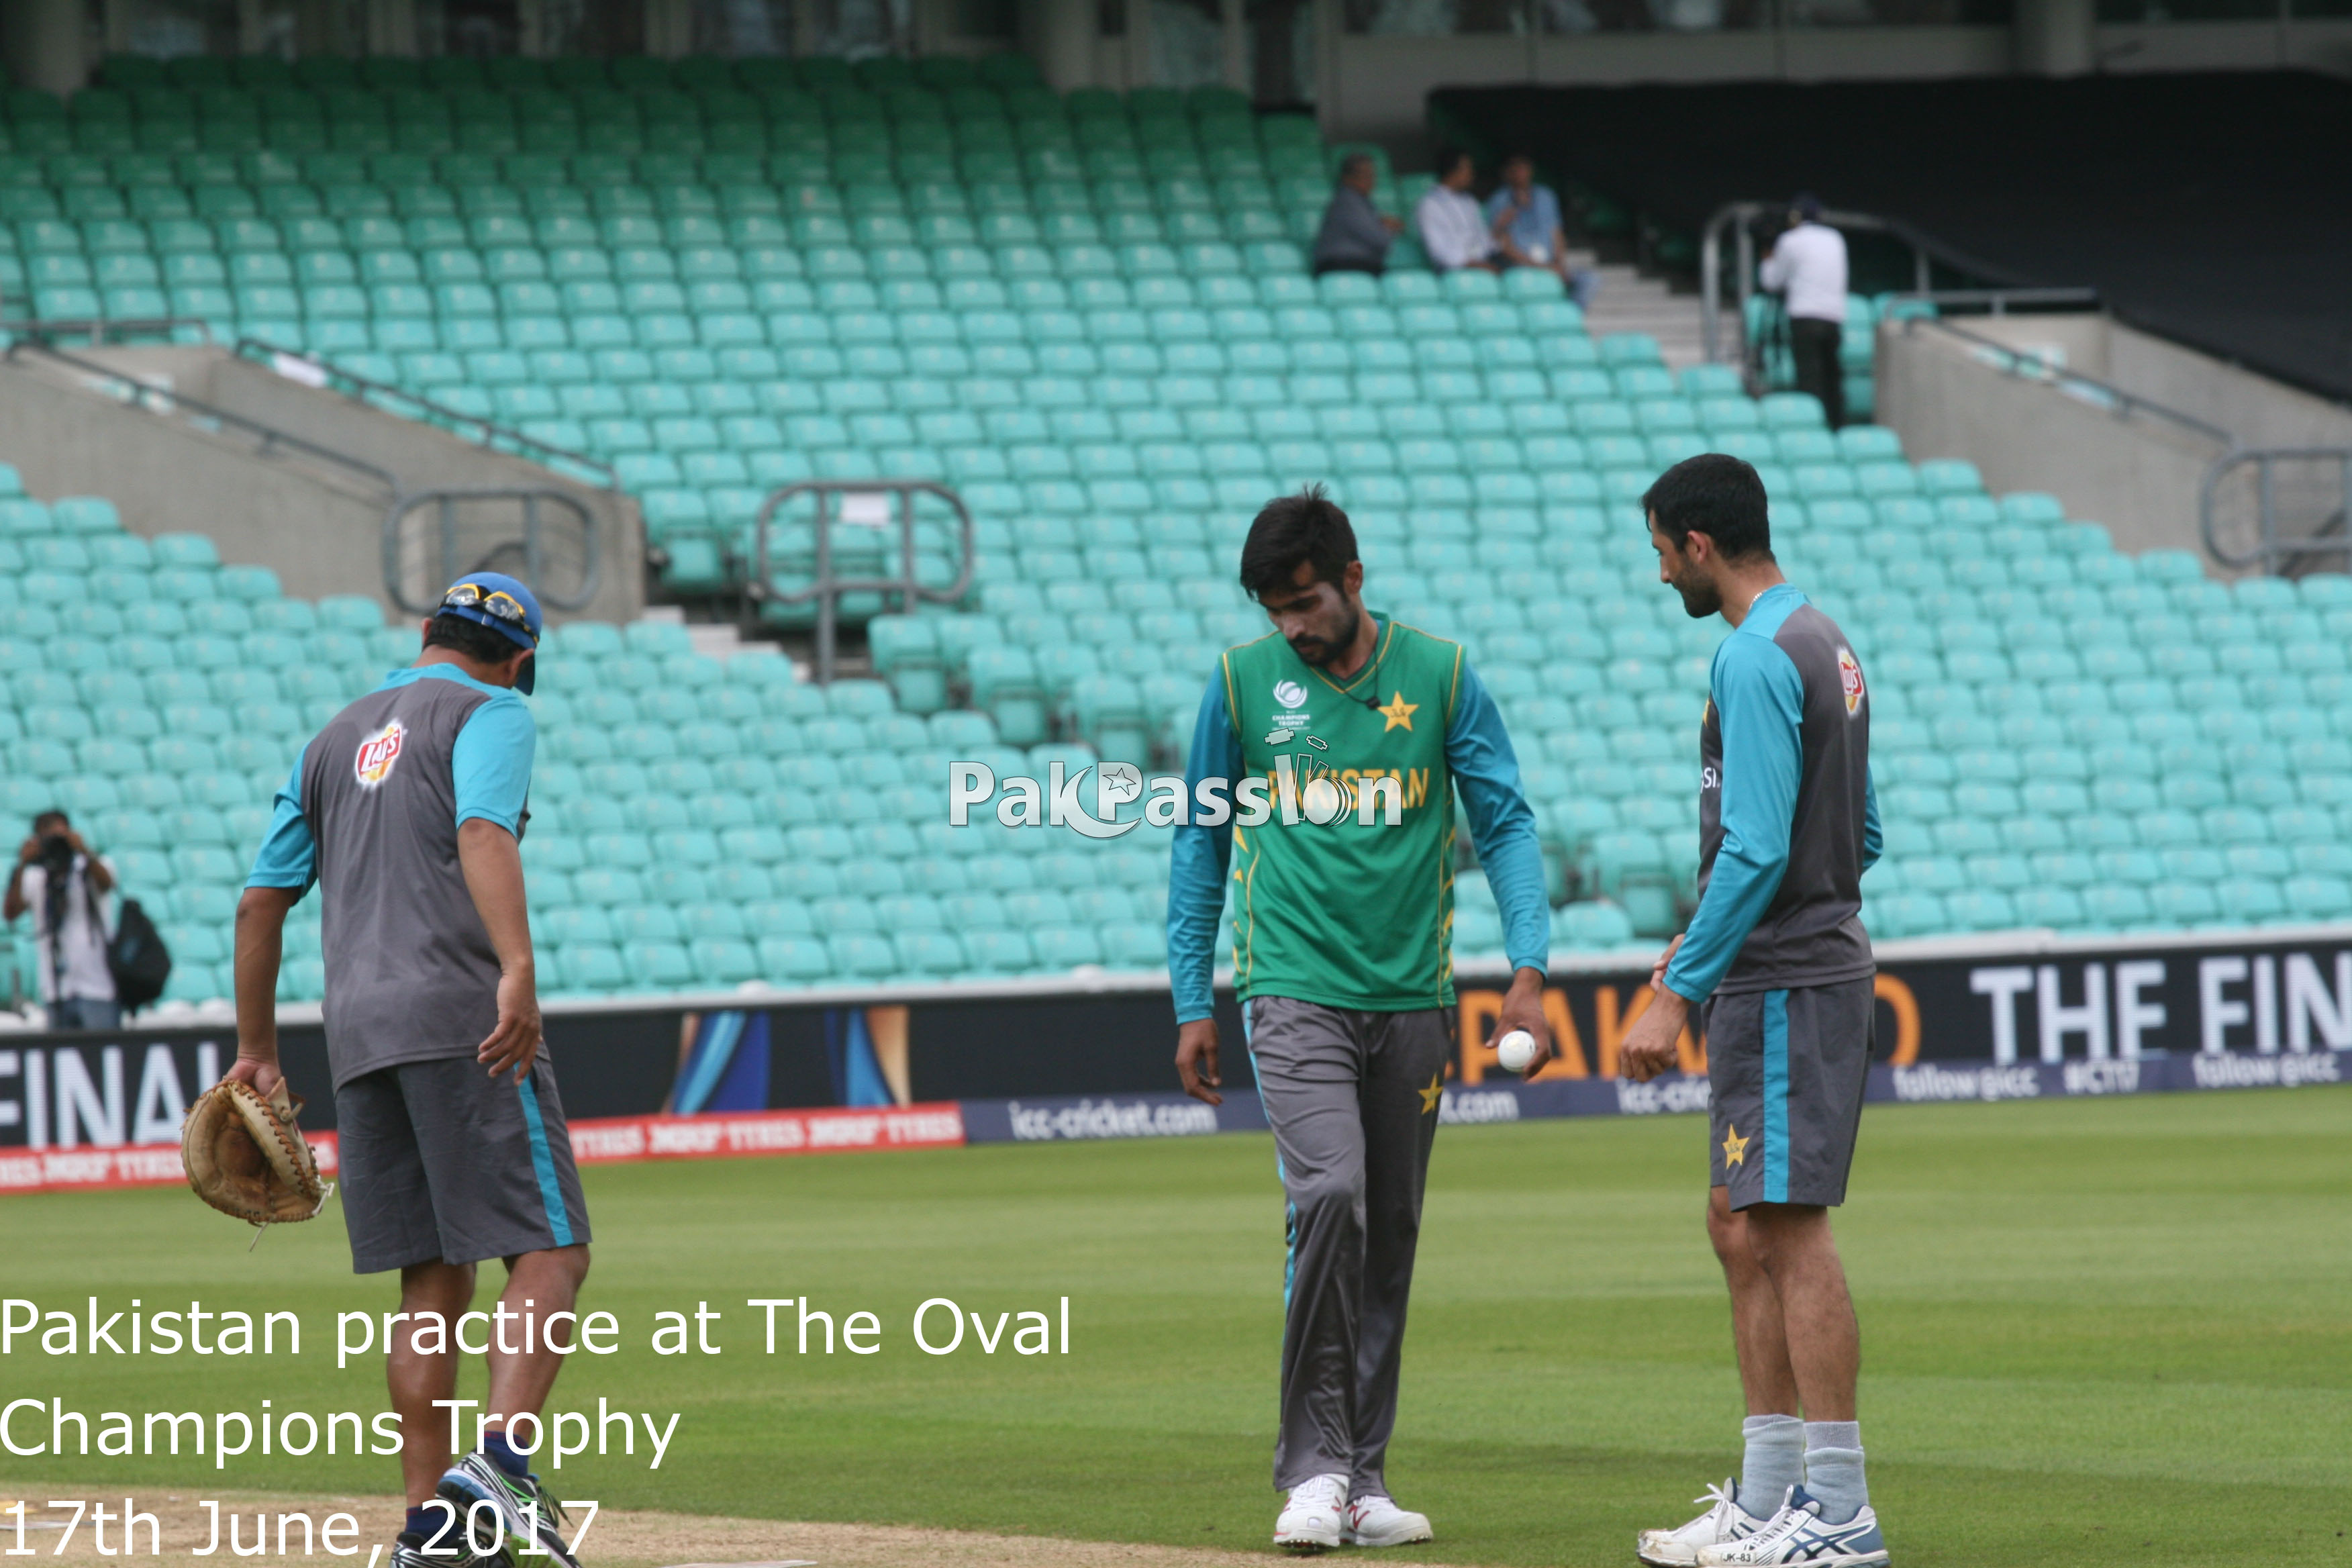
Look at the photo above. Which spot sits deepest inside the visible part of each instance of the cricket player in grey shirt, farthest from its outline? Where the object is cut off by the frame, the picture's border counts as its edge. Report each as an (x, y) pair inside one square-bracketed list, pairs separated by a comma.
[(407, 811), (1788, 823)]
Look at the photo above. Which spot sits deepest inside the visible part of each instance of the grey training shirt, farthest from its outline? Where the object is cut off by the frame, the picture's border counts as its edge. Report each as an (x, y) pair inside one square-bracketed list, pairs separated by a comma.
[(370, 813), (1352, 232)]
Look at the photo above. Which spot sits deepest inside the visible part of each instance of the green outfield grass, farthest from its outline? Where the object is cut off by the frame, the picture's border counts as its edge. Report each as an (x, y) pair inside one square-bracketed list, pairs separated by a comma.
[(2095, 1332)]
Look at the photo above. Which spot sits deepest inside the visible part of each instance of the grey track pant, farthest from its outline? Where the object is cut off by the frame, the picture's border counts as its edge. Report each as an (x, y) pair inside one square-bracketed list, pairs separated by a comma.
[(1352, 1099)]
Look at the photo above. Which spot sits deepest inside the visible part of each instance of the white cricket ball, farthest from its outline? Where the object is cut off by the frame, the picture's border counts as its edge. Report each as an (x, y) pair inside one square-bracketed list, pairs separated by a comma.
[(1515, 1050)]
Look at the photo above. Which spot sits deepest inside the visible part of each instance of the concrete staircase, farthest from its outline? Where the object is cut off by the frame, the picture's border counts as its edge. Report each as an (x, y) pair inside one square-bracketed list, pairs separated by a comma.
[(278, 470), (1625, 301)]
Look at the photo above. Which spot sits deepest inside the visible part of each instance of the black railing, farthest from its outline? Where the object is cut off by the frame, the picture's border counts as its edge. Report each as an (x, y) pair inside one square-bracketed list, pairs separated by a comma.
[(2013, 361), (484, 432), (98, 328), (164, 400)]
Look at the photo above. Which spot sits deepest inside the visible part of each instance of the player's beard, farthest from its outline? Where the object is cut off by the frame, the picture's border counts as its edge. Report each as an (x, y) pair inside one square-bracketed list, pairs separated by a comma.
[(1700, 599), (1320, 653)]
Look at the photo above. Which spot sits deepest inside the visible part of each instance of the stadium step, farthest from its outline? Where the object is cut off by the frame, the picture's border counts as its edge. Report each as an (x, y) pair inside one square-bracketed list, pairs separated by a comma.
[(1625, 301)]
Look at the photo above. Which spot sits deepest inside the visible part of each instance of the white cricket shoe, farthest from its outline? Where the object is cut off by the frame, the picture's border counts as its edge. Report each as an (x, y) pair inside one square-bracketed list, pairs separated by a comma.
[(1724, 1522), (1797, 1534), (1315, 1517), (1374, 1520)]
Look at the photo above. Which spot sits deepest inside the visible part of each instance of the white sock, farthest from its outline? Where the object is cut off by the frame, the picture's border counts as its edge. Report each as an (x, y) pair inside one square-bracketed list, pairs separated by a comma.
[(1774, 1462), (1833, 1469)]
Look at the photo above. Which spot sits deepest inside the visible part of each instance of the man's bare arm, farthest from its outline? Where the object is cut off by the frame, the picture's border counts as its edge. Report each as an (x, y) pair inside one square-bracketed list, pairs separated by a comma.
[(261, 947), (492, 862)]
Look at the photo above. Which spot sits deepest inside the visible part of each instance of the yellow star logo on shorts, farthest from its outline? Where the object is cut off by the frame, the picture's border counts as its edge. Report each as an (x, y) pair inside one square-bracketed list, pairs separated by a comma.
[(1399, 712), (1429, 1097), (1735, 1148)]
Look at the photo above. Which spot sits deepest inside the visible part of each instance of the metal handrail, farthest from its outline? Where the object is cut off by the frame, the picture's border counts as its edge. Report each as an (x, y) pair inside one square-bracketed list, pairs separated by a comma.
[(2272, 553), (1926, 251), (534, 562), (98, 328), (487, 432), (164, 397), (1998, 302), (2022, 365), (1739, 217), (827, 588)]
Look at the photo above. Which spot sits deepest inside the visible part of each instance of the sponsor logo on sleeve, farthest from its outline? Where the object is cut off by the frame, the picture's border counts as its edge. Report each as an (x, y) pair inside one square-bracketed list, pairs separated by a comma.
[(1850, 680)]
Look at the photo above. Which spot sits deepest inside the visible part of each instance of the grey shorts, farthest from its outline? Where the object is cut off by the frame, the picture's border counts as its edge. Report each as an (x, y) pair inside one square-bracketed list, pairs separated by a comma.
[(1785, 1070), (442, 1162)]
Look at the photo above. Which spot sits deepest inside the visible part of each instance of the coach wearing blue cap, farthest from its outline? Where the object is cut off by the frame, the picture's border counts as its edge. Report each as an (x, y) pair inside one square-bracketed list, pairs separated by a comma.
[(407, 811)]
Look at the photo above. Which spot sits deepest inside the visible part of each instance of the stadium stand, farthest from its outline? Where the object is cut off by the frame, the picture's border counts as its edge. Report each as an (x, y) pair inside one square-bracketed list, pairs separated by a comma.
[(2227, 145), (1090, 316)]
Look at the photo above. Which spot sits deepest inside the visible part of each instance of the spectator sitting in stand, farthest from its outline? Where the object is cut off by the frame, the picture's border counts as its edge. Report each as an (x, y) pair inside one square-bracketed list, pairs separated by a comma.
[(1453, 231), (1355, 236), (1525, 219), (64, 885)]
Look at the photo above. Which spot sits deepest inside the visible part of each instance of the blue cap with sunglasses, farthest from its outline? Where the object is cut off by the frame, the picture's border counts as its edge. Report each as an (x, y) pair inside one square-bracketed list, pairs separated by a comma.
[(504, 605)]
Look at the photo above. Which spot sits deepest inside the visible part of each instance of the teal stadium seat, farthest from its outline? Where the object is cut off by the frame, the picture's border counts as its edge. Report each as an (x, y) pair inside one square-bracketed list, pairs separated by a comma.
[(1090, 314)]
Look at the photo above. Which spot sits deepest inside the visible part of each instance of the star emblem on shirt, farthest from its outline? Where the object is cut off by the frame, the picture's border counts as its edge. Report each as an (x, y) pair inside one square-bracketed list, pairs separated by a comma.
[(1735, 1147), (1399, 713), (1430, 1096)]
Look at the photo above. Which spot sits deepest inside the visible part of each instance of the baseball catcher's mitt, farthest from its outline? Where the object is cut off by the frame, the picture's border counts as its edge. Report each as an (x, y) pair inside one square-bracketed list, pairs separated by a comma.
[(246, 1157)]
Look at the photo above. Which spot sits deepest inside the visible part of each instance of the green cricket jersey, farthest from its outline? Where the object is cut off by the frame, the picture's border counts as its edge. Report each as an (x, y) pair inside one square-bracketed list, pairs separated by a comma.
[(1328, 907)]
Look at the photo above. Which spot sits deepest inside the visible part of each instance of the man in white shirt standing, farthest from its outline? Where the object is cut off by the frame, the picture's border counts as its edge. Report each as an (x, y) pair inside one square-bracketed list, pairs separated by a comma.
[(1806, 268), (1454, 233), (65, 885)]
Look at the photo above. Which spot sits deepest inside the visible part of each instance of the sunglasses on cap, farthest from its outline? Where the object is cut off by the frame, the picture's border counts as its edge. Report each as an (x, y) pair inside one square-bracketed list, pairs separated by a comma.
[(497, 603)]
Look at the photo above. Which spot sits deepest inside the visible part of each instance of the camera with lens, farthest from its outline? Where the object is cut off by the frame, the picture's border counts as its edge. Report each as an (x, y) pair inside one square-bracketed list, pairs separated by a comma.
[(56, 853)]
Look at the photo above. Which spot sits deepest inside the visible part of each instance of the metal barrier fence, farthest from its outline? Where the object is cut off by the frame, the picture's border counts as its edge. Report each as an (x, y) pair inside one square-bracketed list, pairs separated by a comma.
[(827, 585), (2281, 509), (564, 565)]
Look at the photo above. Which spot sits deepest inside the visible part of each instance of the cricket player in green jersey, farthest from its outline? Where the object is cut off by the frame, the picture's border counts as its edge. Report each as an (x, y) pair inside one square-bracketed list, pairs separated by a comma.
[(1348, 734)]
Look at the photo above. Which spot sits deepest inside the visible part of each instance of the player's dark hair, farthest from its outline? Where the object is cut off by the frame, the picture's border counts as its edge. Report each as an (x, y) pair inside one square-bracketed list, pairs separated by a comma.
[(1716, 495), (474, 641), (1354, 162), (1309, 527), (56, 815), (1447, 158)]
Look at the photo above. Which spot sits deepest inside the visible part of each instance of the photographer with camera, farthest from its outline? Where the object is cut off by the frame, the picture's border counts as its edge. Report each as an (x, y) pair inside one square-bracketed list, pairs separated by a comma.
[(58, 880), (1807, 268)]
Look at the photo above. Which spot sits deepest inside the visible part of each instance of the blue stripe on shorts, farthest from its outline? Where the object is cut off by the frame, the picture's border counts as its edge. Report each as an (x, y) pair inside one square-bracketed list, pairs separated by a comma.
[(1776, 1097), (542, 1162)]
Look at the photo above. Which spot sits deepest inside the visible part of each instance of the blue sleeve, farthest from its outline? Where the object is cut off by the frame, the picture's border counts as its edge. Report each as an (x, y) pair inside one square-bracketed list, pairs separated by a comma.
[(289, 855), (1197, 861), (491, 763), (1759, 705), (1502, 824), (1874, 841)]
